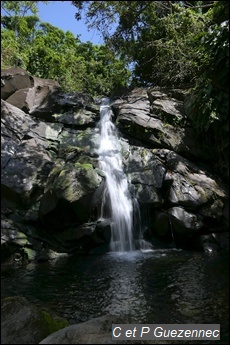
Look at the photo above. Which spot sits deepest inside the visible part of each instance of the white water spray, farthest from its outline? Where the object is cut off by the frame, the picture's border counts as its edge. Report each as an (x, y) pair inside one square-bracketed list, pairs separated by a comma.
[(117, 201)]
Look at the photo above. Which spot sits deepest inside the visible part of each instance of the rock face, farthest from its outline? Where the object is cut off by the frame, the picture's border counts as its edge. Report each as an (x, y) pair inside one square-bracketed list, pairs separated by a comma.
[(52, 186), (169, 172), (31, 94), (30, 324)]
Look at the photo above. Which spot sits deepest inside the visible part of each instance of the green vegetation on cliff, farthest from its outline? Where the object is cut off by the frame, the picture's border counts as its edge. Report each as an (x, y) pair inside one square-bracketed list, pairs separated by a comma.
[(164, 43), (46, 51)]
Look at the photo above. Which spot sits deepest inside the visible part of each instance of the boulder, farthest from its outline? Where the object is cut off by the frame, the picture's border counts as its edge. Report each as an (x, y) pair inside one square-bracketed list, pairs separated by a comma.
[(184, 222), (191, 186), (24, 323), (31, 94), (72, 186), (14, 79), (95, 331)]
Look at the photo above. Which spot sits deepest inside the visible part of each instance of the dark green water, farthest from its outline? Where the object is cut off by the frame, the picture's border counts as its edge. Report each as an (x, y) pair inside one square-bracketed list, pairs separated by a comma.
[(163, 286)]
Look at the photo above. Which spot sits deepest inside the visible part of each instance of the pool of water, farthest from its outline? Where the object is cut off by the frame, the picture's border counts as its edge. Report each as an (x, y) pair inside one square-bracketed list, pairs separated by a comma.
[(162, 286)]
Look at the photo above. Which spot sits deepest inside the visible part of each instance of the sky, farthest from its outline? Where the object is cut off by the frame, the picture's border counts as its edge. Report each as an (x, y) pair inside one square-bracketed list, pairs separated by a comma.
[(61, 14)]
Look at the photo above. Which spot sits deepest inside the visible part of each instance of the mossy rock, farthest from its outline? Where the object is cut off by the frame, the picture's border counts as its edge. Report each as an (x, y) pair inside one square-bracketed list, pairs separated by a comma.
[(24, 323), (74, 182), (84, 159), (52, 324), (86, 166), (76, 149)]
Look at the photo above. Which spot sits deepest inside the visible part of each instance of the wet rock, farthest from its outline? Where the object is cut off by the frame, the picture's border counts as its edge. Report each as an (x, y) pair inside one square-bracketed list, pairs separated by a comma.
[(185, 222), (52, 186)]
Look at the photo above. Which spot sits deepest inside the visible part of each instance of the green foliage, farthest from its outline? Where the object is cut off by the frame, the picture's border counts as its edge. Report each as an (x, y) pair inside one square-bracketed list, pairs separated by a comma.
[(19, 8), (158, 37), (175, 44), (212, 86), (17, 31), (165, 53), (161, 39), (76, 66), (209, 103), (165, 43), (48, 52), (9, 48)]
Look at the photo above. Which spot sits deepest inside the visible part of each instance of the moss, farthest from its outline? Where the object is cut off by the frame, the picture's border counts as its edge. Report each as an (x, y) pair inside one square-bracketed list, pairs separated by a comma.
[(71, 148), (63, 173), (21, 239), (143, 154), (31, 254), (85, 166), (38, 322), (167, 125), (52, 324), (85, 160)]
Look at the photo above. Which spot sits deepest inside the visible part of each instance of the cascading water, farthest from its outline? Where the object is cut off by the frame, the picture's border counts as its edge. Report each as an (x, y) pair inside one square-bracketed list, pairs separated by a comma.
[(117, 200)]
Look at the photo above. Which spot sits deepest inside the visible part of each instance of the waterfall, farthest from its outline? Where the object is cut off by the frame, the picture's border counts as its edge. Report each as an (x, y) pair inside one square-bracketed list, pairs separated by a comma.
[(117, 201)]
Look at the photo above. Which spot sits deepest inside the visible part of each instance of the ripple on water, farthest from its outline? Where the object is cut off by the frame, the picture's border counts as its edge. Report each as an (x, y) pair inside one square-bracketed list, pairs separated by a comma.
[(160, 286)]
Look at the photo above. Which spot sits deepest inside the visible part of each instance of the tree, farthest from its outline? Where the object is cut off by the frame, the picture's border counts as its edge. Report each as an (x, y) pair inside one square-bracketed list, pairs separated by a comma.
[(15, 14), (175, 43), (209, 104), (157, 37), (48, 52), (18, 31)]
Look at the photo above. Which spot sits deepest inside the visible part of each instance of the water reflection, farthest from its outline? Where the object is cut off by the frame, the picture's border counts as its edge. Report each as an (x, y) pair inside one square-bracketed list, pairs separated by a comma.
[(125, 294), (190, 293), (162, 286)]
